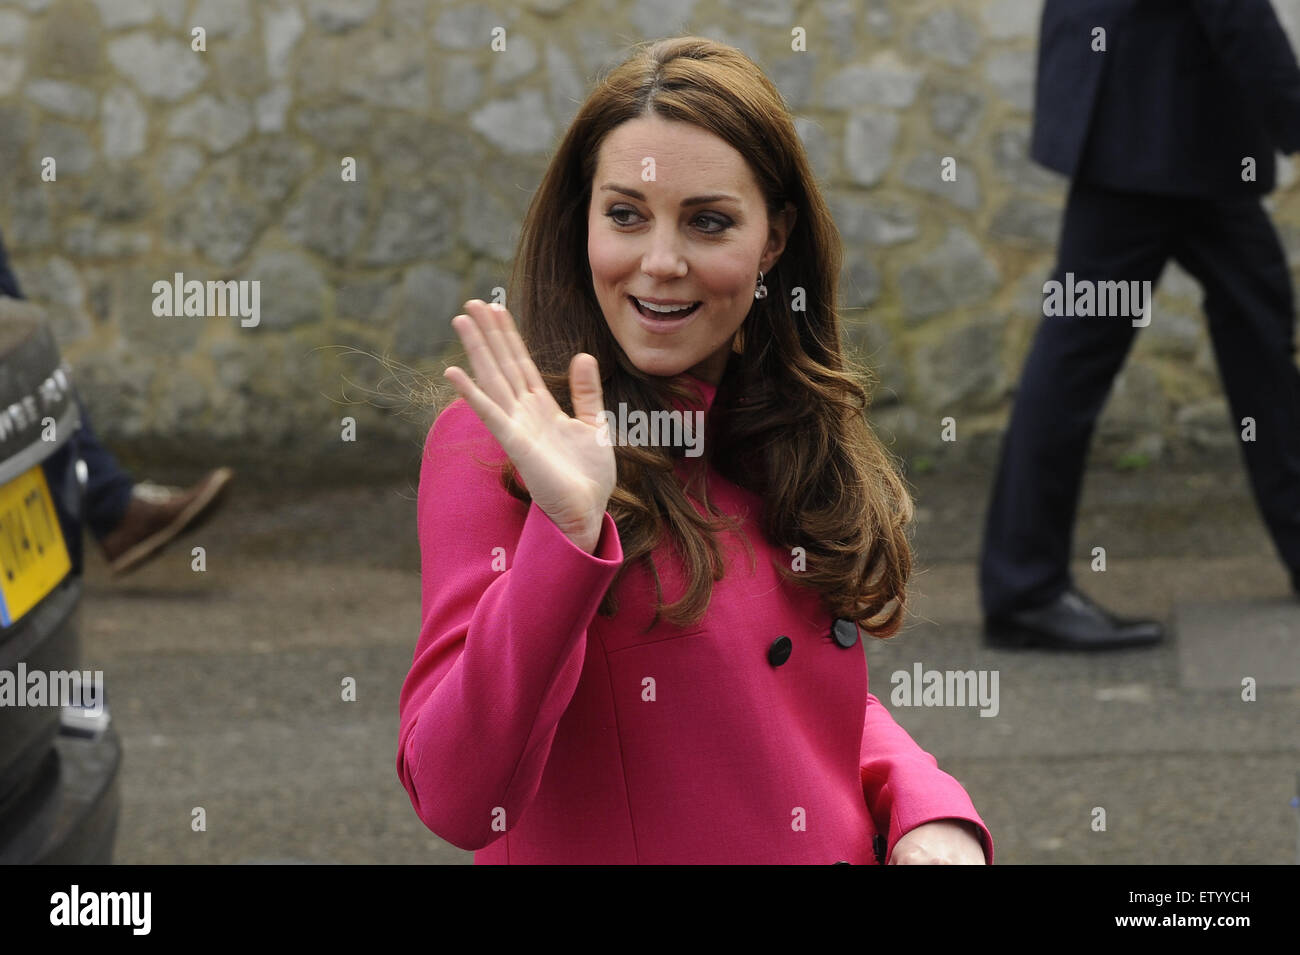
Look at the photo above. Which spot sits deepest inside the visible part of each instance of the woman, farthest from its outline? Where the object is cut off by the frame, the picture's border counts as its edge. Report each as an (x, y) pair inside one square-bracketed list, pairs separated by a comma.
[(632, 652)]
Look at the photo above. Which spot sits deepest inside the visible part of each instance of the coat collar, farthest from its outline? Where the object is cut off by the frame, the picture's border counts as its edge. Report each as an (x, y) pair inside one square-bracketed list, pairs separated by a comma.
[(708, 391)]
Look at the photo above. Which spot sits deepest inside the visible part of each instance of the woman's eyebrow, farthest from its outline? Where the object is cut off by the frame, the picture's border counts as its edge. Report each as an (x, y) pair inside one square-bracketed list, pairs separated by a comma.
[(692, 201)]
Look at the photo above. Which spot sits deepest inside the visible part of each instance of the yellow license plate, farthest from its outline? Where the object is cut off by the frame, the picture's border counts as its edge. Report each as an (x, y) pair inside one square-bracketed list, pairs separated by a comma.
[(33, 557)]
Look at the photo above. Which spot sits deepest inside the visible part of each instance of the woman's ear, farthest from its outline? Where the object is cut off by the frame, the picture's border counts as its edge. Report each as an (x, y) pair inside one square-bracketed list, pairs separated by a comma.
[(781, 226)]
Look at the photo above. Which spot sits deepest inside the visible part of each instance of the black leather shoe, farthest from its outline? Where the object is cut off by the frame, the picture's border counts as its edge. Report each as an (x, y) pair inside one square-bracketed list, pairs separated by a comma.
[(1070, 622)]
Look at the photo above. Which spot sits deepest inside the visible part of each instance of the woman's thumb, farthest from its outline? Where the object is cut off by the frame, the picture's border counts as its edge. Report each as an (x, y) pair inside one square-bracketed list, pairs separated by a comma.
[(584, 386)]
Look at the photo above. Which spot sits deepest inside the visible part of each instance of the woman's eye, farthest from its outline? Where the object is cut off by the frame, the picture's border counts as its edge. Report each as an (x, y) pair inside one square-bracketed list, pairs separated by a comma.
[(722, 223), (718, 221)]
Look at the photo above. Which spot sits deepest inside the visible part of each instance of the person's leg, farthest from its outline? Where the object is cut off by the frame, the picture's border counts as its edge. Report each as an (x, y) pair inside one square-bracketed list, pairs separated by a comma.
[(132, 522), (1105, 236), (1233, 249), (108, 487), (8, 281)]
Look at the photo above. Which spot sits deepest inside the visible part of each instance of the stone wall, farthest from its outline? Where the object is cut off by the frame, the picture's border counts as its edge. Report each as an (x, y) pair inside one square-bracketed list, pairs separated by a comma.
[(225, 164)]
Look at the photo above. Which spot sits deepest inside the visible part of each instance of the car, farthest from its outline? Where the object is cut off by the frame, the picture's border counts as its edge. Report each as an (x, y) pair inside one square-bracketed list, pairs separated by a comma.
[(60, 755)]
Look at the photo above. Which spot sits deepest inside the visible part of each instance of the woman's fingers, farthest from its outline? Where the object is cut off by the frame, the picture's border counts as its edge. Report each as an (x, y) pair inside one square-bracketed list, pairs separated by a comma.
[(531, 375), (511, 354), (584, 385), (492, 322), (487, 371), (488, 411), (507, 373)]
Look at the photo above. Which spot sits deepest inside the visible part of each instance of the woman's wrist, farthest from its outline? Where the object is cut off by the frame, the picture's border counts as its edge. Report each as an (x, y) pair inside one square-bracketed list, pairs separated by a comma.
[(589, 536)]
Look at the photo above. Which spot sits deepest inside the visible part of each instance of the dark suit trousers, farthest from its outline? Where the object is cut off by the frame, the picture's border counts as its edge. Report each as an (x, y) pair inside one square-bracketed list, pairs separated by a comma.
[(1231, 248)]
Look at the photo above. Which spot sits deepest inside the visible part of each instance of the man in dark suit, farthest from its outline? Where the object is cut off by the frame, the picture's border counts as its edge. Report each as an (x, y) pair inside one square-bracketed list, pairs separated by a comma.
[(1166, 115), (131, 521)]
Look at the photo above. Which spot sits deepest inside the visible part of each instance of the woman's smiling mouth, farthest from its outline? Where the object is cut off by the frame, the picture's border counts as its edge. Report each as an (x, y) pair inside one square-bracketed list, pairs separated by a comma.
[(662, 322)]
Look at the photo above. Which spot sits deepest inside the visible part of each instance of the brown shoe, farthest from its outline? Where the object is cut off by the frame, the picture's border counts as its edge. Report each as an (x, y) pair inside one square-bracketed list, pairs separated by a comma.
[(155, 515)]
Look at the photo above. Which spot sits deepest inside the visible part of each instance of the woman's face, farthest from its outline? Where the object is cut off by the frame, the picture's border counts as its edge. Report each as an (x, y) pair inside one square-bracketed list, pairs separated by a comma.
[(658, 246)]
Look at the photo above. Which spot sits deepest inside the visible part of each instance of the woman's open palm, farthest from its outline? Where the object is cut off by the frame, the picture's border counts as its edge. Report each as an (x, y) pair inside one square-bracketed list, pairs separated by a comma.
[(566, 463)]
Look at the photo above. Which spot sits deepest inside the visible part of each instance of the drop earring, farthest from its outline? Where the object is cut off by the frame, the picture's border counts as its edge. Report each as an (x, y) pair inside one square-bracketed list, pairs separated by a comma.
[(760, 291)]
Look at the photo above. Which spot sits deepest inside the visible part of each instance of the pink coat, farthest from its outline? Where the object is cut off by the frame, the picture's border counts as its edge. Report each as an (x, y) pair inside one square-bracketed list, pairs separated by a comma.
[(534, 731)]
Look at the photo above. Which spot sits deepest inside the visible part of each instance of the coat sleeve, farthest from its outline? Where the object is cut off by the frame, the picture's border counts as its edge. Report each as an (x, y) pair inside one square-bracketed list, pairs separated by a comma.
[(506, 600), (903, 784), (1248, 39)]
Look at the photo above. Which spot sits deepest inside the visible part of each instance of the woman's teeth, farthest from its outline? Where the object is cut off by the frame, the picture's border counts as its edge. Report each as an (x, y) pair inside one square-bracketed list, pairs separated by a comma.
[(663, 311)]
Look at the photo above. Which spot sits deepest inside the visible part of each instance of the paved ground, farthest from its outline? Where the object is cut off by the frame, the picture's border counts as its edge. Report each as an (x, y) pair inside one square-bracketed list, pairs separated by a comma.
[(226, 684)]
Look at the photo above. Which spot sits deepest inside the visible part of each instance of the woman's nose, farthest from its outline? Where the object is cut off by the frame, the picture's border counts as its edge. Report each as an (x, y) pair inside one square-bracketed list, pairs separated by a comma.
[(664, 257)]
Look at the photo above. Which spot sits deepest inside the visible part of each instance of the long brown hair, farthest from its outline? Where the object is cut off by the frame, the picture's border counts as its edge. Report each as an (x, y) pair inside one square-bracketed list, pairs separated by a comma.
[(788, 420)]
